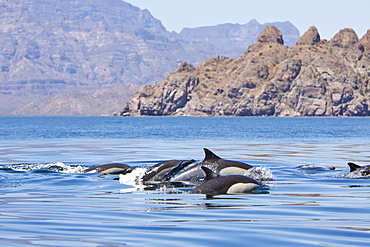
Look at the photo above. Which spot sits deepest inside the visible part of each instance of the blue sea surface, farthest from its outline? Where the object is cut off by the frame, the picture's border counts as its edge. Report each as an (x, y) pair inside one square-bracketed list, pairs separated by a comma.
[(47, 200)]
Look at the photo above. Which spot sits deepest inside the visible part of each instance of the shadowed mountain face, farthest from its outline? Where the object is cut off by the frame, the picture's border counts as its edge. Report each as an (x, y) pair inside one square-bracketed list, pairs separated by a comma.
[(53, 48), (231, 40), (312, 78)]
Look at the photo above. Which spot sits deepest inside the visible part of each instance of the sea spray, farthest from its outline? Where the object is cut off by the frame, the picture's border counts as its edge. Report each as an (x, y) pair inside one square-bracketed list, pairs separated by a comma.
[(260, 173), (55, 167)]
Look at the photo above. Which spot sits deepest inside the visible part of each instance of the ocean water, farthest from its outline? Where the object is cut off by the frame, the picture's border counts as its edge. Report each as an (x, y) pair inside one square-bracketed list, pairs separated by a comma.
[(47, 200)]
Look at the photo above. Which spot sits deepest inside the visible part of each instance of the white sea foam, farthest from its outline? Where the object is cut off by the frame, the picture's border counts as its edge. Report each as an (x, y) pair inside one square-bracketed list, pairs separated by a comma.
[(322, 173), (133, 178), (260, 173), (354, 174), (74, 169), (55, 166)]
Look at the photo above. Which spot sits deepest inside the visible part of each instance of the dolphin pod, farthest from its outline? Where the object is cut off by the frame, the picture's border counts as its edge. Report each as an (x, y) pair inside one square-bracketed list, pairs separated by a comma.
[(160, 172), (212, 176)]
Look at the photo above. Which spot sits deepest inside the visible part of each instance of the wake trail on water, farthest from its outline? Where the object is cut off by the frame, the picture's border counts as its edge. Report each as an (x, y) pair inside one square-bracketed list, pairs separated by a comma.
[(318, 172), (54, 167), (260, 173)]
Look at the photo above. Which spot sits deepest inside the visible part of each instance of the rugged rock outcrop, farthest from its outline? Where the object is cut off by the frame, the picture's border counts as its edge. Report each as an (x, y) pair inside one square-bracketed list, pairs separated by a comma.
[(271, 34), (346, 38), (50, 48), (310, 37), (312, 78)]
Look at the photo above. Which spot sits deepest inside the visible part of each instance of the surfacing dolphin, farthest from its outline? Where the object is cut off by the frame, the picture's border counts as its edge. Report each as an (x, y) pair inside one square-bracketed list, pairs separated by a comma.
[(111, 169), (363, 170), (218, 165), (164, 171), (231, 184)]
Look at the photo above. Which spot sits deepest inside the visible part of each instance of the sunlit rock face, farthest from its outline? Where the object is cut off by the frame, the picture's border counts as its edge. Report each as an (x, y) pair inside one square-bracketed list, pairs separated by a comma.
[(312, 78)]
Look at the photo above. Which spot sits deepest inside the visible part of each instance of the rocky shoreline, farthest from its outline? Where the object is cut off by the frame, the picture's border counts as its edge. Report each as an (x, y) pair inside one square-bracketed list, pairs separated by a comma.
[(312, 78)]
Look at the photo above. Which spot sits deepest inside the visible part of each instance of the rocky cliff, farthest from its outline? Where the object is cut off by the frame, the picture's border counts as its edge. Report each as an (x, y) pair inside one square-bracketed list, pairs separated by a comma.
[(312, 78), (53, 48)]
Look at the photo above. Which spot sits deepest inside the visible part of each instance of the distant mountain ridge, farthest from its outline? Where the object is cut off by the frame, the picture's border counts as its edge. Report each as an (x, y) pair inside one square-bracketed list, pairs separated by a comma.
[(312, 78), (55, 48), (231, 40)]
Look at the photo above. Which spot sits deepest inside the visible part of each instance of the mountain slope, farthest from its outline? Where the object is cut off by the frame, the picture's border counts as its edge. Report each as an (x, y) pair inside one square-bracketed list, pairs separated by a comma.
[(231, 40), (52, 48), (312, 78)]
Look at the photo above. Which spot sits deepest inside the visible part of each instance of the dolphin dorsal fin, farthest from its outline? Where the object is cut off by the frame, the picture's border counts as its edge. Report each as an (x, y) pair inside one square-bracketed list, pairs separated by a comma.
[(209, 173), (210, 155), (353, 166)]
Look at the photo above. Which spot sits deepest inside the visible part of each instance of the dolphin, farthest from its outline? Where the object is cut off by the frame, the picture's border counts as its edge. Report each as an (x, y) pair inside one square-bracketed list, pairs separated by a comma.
[(164, 171), (364, 170), (216, 164), (111, 169), (312, 169), (231, 184)]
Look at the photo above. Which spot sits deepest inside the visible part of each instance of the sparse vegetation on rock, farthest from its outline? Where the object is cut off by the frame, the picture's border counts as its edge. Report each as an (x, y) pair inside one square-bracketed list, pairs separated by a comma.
[(312, 78)]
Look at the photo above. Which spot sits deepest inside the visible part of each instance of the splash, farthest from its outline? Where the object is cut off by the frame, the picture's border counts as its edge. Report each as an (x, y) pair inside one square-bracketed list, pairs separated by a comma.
[(356, 175), (260, 173), (55, 167), (319, 172), (133, 178)]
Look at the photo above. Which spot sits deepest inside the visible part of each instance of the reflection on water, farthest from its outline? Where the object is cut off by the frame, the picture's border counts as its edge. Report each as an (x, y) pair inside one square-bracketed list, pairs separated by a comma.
[(45, 200)]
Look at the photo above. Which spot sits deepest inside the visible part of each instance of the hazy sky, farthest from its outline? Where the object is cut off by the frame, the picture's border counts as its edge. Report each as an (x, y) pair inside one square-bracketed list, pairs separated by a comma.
[(329, 16)]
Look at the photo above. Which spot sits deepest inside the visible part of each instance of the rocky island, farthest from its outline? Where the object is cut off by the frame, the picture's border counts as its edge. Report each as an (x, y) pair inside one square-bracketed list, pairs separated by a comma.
[(314, 77)]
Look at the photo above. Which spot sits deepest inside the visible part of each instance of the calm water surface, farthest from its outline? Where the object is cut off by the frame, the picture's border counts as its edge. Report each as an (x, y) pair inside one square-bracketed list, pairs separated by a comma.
[(40, 206)]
